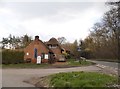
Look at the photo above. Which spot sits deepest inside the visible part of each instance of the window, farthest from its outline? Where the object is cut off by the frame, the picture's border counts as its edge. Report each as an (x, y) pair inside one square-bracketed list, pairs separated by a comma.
[(50, 46), (46, 56), (27, 53), (55, 55), (42, 56), (54, 46)]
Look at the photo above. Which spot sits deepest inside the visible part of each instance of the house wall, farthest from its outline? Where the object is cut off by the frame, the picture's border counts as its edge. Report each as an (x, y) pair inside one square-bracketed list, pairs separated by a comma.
[(53, 47), (57, 52), (41, 48)]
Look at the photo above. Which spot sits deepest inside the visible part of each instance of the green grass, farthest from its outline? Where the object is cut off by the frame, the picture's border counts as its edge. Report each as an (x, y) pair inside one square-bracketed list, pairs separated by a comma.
[(0, 65), (81, 79), (72, 62), (69, 63), (25, 65)]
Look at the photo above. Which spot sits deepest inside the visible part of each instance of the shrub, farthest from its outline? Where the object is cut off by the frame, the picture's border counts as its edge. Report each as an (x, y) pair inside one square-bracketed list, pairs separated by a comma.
[(12, 57)]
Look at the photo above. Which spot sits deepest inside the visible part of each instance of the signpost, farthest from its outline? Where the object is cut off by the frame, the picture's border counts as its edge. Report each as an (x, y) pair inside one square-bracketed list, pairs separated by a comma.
[(79, 50)]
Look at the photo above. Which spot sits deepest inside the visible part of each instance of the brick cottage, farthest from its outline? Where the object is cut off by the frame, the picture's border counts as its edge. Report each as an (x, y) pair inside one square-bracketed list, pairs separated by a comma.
[(48, 51)]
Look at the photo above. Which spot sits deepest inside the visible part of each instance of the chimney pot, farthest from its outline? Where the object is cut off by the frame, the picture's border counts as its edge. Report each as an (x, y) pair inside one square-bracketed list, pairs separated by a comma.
[(36, 37)]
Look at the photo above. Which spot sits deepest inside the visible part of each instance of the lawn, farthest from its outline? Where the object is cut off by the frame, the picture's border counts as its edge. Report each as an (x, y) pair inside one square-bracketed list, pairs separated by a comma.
[(68, 63), (79, 80), (25, 65), (72, 62)]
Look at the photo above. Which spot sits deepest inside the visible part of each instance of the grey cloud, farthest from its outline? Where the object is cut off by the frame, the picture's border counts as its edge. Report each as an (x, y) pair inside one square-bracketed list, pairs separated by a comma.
[(40, 9), (46, 10)]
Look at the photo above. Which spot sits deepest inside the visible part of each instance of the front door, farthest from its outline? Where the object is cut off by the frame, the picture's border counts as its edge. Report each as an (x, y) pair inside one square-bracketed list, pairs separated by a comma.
[(35, 53)]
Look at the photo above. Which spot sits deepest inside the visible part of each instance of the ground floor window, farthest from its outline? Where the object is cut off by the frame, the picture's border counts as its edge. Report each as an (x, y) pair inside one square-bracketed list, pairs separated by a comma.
[(42, 55), (46, 56)]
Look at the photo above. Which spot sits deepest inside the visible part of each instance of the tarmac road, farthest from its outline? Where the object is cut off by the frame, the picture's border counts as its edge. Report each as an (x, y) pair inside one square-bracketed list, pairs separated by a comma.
[(15, 77), (110, 64)]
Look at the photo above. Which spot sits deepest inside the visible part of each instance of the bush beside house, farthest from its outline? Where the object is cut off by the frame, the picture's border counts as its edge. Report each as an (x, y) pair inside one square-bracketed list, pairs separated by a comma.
[(12, 57)]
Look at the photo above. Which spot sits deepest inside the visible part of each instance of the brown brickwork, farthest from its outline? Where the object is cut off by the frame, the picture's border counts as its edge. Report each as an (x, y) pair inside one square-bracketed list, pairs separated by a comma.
[(39, 45), (57, 50), (51, 47)]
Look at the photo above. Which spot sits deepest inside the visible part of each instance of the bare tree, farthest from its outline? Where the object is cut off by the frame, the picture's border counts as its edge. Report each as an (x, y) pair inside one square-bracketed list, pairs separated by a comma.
[(103, 40), (61, 40)]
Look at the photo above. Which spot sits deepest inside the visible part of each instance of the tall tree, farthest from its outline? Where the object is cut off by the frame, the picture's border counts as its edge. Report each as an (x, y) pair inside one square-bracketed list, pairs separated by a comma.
[(117, 5), (103, 40), (4, 41), (26, 40), (16, 42), (74, 49), (61, 40)]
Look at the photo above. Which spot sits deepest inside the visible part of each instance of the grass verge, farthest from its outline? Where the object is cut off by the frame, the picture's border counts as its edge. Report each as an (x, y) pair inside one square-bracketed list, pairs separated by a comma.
[(78, 79), (25, 65), (69, 63)]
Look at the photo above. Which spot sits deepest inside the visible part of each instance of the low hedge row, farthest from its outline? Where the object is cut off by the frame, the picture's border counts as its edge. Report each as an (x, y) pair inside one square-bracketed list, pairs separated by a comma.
[(12, 57)]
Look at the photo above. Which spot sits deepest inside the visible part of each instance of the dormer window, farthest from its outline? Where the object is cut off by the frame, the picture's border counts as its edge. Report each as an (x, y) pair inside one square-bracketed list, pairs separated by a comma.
[(50, 46), (54, 46)]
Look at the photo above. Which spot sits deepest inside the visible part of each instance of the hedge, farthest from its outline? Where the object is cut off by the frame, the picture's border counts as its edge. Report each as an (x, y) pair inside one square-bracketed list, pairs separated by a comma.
[(12, 57)]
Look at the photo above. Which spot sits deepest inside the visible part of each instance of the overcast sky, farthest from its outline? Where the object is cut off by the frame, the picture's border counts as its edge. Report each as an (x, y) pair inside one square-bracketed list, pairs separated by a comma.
[(71, 20)]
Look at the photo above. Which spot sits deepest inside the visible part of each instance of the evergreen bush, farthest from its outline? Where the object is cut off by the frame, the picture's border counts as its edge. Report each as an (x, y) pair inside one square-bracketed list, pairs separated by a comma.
[(12, 57)]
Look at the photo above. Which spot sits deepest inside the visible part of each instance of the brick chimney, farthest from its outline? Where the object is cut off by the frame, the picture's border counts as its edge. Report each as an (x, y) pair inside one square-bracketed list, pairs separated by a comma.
[(36, 37)]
